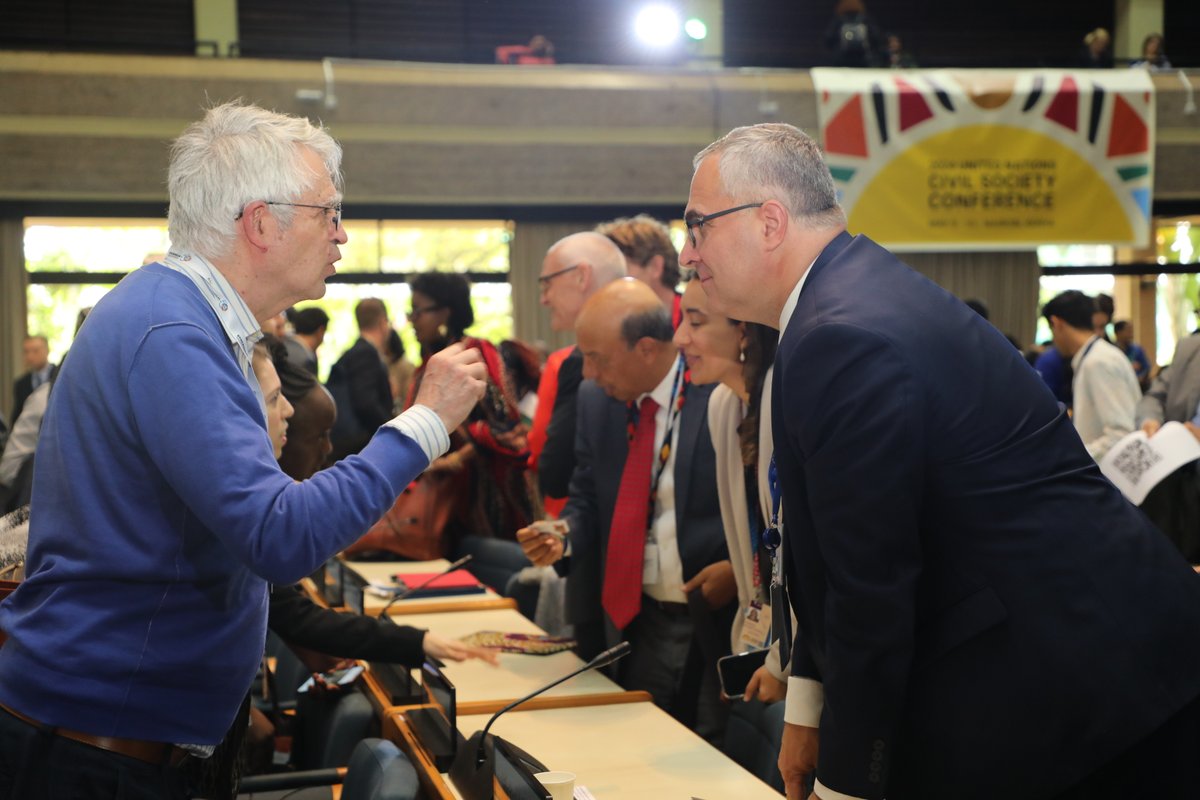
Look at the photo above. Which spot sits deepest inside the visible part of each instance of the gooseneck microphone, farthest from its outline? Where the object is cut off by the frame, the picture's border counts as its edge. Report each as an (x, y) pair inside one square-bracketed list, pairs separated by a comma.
[(603, 660), (401, 595), (474, 767)]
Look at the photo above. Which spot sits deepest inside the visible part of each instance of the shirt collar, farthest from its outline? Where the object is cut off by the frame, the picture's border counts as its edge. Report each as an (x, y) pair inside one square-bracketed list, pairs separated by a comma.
[(662, 393), (238, 322), (789, 307)]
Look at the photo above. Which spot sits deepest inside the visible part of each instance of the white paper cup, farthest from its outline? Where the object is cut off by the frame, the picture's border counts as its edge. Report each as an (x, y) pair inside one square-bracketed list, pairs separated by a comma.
[(560, 784)]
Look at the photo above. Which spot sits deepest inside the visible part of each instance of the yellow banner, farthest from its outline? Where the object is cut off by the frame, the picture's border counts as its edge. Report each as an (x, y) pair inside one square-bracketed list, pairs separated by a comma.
[(990, 159)]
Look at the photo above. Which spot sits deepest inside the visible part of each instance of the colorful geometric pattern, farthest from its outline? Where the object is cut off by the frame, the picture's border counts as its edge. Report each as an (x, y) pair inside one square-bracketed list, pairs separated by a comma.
[(963, 159)]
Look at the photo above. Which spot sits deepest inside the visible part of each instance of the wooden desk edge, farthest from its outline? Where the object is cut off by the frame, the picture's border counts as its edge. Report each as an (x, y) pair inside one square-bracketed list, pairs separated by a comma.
[(442, 606), (560, 701), (396, 729)]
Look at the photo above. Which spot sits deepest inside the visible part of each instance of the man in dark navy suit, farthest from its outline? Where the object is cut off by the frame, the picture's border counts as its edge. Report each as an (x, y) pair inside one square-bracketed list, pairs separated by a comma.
[(980, 613)]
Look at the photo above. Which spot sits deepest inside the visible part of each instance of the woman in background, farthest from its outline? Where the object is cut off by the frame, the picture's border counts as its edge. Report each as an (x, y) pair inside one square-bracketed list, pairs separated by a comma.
[(738, 355), (488, 453), (490, 446)]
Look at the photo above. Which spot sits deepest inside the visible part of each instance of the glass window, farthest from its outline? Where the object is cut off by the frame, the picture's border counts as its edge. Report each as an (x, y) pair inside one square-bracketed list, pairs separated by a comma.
[(393, 249)]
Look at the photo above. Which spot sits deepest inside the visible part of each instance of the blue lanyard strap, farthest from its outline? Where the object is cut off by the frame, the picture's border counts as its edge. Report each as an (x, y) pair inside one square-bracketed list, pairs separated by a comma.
[(771, 537)]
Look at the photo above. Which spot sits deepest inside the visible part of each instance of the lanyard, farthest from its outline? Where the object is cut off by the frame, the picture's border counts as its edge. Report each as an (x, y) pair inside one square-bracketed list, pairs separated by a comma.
[(1087, 350), (756, 523), (771, 538), (674, 409)]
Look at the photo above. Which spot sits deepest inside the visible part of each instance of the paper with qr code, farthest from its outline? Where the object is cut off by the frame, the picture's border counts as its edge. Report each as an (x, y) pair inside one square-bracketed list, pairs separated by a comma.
[(529, 644), (1137, 463)]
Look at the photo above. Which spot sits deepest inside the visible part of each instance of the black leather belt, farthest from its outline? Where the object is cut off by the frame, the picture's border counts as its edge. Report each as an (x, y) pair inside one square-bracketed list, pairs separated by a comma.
[(665, 606), (149, 752)]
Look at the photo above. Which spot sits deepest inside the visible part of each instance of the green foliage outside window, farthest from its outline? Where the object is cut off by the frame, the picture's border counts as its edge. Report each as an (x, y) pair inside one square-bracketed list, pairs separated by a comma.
[(373, 246)]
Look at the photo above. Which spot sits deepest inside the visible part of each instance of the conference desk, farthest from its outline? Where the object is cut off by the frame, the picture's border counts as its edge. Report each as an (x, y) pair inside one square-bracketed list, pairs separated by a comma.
[(626, 751), (482, 688), (381, 572)]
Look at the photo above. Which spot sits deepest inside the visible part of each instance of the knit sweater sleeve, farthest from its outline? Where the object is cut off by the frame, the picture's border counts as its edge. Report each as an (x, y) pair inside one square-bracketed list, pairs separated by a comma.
[(202, 426)]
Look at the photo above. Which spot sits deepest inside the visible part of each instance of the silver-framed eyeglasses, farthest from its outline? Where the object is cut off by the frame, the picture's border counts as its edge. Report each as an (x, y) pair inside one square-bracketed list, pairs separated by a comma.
[(697, 223), (335, 210)]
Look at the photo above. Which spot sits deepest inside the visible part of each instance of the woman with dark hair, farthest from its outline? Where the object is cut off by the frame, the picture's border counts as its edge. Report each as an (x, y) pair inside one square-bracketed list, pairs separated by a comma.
[(490, 445), (738, 355), (488, 452)]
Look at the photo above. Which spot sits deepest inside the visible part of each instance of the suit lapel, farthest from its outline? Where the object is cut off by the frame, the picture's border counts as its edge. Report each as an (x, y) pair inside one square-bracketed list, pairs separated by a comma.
[(689, 430)]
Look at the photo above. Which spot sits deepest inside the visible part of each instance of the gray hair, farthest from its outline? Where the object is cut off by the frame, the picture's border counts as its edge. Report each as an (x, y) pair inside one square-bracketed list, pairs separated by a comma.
[(235, 155), (777, 161)]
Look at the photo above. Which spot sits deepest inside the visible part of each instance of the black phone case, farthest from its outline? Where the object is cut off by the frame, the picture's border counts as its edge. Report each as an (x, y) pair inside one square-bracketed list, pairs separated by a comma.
[(734, 672)]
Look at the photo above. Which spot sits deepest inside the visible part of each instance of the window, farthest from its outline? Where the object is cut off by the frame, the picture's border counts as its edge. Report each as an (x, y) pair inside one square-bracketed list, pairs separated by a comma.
[(71, 263)]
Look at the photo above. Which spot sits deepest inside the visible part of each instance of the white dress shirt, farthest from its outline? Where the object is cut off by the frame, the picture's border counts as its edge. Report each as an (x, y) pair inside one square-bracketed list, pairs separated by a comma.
[(669, 586), (1106, 393)]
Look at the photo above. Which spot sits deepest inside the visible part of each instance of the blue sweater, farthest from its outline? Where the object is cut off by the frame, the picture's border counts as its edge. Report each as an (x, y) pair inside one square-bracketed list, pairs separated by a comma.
[(159, 516)]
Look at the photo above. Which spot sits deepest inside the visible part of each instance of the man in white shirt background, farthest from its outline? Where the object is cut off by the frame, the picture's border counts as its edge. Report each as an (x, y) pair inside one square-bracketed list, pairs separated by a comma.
[(1105, 388)]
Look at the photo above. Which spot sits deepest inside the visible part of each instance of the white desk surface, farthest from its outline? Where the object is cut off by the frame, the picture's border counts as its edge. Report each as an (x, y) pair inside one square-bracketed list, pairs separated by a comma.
[(518, 674), (619, 752), (382, 571)]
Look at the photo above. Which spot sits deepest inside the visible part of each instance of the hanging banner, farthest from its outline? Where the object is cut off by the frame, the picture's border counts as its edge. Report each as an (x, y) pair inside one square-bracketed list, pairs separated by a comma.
[(990, 159)]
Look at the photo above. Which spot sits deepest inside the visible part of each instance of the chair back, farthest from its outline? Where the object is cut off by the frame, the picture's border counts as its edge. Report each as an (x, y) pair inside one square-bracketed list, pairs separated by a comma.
[(379, 771), (330, 742)]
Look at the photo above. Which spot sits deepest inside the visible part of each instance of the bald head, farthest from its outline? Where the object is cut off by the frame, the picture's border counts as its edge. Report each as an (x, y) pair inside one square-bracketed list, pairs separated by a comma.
[(625, 335), (575, 267)]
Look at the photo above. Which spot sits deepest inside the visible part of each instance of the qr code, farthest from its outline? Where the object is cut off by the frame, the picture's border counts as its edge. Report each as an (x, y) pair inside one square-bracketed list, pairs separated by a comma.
[(1135, 459)]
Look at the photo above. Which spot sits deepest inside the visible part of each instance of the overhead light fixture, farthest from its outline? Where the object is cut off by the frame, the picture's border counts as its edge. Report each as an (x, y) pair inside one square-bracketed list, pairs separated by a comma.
[(657, 25)]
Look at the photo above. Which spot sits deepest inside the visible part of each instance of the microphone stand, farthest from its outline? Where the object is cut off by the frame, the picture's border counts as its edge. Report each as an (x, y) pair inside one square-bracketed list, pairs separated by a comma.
[(474, 768), (410, 590)]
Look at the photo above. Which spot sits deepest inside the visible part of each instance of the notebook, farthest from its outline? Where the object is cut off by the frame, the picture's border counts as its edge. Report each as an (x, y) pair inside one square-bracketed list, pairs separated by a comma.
[(442, 585)]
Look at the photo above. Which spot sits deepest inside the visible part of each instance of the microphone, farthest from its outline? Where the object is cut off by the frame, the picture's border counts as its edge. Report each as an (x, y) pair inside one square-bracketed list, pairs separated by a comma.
[(401, 595), (475, 767)]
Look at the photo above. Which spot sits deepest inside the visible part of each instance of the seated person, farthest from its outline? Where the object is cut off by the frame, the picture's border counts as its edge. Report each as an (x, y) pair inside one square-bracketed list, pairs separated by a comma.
[(293, 617)]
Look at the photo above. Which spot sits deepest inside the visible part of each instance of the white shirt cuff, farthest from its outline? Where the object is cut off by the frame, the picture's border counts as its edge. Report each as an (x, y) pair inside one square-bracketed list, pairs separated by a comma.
[(425, 427), (805, 699), (825, 793)]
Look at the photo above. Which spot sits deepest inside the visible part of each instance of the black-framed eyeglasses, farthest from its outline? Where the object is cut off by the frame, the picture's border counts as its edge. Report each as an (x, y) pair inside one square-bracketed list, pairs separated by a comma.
[(544, 280), (415, 312), (336, 209), (696, 223)]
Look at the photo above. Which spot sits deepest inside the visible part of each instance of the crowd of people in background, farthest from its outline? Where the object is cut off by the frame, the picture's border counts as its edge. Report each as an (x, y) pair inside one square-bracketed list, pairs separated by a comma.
[(625, 486), (855, 38)]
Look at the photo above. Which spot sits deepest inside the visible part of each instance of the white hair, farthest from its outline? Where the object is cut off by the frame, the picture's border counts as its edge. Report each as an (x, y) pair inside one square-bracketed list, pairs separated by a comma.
[(606, 259), (235, 155), (777, 161)]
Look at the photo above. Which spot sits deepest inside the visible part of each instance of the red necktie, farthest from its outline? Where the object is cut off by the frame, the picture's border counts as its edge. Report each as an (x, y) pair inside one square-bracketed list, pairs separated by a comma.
[(622, 593)]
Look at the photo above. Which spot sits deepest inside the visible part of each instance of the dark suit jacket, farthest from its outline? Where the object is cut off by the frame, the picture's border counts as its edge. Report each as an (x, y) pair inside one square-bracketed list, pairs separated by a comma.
[(600, 451), (22, 388), (988, 615), (557, 461), (360, 377), (299, 621)]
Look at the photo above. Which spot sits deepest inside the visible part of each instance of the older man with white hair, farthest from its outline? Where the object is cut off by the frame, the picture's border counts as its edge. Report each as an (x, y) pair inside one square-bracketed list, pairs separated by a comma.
[(574, 269), (159, 512)]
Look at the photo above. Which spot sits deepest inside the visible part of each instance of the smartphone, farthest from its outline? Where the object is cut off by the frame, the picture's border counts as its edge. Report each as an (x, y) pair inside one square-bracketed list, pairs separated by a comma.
[(735, 671), (337, 677)]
